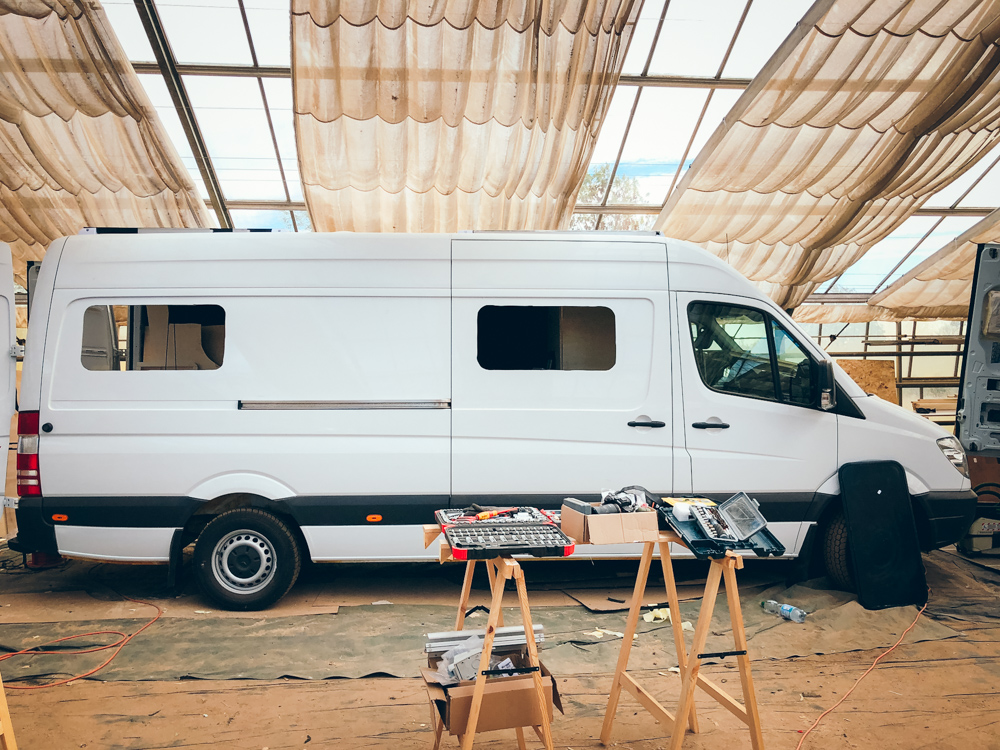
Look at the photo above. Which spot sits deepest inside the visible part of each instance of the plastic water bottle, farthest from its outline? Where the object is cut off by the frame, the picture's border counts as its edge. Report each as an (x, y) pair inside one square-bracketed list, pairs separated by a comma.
[(785, 610)]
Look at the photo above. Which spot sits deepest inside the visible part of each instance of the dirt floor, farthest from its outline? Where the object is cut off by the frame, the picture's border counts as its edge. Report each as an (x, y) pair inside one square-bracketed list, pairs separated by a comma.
[(943, 692)]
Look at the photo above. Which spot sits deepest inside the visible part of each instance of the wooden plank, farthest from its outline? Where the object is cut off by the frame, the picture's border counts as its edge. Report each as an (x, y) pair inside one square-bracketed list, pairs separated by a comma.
[(676, 626), (746, 679), (648, 702), (463, 601), (431, 532), (484, 663), (529, 633), (626, 647), (7, 741), (727, 701), (689, 674)]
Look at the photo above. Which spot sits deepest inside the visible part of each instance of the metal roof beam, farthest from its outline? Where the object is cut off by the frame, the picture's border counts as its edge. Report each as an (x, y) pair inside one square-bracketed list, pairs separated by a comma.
[(167, 66)]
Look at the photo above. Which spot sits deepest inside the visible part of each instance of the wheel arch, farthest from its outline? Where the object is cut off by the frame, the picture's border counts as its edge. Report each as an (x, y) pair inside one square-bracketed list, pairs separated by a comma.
[(209, 509)]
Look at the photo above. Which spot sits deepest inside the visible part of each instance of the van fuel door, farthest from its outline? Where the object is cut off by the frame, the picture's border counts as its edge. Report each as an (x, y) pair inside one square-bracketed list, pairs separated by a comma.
[(978, 415)]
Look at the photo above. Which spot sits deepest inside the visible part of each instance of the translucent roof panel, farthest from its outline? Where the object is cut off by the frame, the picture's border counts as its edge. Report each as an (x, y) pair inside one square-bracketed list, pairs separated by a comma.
[(695, 37), (722, 101), (663, 124), (626, 222), (302, 221), (267, 219), (953, 193), (129, 30), (949, 228), (205, 32), (271, 30), (608, 145), (864, 275), (765, 28), (986, 192), (279, 102), (642, 38), (231, 115), (157, 92), (583, 222)]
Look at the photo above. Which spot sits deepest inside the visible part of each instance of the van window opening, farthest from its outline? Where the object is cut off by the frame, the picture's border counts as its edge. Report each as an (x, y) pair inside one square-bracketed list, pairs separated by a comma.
[(153, 337), (746, 352), (530, 337)]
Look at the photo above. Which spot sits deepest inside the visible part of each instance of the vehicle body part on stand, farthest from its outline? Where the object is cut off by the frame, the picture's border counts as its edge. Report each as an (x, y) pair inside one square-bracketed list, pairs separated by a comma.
[(164, 386), (977, 418)]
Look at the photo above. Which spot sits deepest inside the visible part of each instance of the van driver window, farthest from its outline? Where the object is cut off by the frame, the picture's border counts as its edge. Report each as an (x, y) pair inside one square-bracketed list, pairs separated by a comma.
[(530, 337), (745, 352), (153, 337)]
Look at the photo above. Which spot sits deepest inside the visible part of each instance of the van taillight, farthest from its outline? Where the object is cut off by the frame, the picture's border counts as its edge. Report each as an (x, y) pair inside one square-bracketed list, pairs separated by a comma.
[(28, 480)]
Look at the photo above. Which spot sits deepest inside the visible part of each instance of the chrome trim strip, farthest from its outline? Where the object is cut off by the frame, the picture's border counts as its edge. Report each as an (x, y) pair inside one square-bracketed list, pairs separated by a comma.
[(338, 405)]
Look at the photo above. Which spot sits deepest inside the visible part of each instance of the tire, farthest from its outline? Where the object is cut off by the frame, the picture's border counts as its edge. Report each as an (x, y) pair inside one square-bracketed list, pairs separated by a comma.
[(836, 553), (246, 559)]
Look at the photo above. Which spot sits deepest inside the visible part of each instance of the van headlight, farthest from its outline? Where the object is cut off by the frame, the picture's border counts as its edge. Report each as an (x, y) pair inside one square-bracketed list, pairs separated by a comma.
[(954, 452)]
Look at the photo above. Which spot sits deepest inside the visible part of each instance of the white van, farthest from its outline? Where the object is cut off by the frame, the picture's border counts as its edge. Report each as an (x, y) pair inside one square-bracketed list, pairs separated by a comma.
[(279, 395)]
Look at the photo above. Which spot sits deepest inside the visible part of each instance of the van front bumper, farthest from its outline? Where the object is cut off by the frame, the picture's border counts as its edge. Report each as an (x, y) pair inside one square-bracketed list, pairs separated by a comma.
[(943, 518), (33, 533)]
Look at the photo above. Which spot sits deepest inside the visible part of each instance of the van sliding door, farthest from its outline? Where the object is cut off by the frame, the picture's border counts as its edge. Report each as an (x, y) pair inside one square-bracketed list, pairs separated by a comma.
[(560, 370)]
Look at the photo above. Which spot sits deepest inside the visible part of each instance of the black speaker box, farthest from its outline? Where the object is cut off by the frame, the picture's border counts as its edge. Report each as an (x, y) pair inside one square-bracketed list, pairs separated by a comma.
[(885, 552)]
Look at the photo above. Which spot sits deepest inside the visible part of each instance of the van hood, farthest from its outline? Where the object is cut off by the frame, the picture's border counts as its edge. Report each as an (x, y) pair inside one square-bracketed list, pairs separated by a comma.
[(890, 415), (892, 433)]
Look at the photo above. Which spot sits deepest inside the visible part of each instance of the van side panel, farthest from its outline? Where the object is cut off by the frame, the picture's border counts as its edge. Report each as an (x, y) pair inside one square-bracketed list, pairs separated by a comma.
[(540, 431), (340, 395)]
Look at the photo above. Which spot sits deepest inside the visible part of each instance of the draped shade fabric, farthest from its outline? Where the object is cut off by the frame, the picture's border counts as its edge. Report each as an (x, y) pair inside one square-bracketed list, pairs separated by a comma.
[(451, 114), (941, 285), (869, 107), (80, 144)]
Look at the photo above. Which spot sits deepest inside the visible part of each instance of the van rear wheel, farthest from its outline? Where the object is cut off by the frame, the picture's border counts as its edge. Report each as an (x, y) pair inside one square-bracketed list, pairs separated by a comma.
[(836, 552), (246, 559)]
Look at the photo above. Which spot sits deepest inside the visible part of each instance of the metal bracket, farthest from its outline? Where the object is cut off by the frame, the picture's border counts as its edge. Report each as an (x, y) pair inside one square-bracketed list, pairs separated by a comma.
[(11, 502)]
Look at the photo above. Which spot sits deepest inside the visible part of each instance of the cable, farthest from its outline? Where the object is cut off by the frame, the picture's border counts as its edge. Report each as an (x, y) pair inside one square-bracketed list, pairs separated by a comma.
[(867, 672), (117, 645)]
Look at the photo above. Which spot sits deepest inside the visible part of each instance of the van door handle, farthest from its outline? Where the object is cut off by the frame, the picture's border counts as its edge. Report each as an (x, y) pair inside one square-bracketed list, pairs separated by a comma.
[(710, 426), (647, 424)]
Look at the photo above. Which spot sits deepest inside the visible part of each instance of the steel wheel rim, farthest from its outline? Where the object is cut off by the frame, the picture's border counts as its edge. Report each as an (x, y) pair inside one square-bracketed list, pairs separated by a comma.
[(243, 561)]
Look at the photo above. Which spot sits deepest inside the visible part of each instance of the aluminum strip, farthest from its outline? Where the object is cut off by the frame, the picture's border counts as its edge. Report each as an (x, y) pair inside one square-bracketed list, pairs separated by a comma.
[(338, 405)]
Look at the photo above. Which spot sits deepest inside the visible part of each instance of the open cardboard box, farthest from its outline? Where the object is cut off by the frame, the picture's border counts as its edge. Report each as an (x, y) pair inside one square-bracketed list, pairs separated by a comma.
[(508, 702), (613, 528)]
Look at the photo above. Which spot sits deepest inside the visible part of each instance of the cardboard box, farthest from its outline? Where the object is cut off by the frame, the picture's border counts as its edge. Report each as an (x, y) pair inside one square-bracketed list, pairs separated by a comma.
[(508, 702), (613, 528)]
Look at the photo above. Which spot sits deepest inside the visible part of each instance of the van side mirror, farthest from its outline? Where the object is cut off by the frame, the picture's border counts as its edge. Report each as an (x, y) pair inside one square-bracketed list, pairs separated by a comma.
[(826, 386)]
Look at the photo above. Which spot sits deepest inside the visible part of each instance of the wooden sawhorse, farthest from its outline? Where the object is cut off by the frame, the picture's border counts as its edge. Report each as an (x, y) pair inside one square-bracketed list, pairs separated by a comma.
[(500, 570), (688, 661), (7, 741)]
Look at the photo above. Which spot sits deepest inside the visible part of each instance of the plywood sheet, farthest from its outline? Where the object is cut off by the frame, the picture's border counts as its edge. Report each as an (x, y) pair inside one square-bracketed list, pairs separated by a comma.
[(876, 376)]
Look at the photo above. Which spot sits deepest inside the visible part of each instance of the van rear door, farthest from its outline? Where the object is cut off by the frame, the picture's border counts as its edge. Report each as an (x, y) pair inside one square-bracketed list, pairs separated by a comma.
[(8, 343), (978, 413)]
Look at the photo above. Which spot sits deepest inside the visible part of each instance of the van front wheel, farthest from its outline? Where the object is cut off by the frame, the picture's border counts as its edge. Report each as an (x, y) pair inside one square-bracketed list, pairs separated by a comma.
[(836, 553), (246, 559)]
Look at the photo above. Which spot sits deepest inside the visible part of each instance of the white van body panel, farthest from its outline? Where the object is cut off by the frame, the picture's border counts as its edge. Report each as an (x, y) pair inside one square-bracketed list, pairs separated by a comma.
[(147, 545), (562, 431), (890, 432)]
